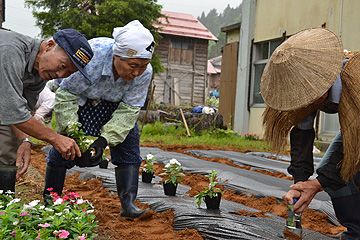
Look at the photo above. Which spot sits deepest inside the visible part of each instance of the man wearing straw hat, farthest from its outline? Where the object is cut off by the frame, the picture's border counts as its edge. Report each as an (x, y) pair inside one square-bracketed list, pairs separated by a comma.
[(298, 80)]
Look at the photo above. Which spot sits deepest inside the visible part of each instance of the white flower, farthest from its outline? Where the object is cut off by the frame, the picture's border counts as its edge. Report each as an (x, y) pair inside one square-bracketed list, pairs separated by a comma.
[(34, 203), (79, 201), (90, 211), (41, 207), (58, 201), (167, 165), (58, 214), (149, 156), (1, 191), (174, 161), (49, 209), (15, 200)]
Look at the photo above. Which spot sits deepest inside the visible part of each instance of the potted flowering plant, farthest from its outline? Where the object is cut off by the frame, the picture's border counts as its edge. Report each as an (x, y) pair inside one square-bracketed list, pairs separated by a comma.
[(75, 132), (68, 217), (147, 171), (173, 176), (211, 195), (84, 142)]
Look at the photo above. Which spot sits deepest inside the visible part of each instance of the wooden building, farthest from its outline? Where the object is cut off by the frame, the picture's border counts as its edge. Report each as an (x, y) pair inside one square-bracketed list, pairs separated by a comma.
[(184, 52), (250, 44), (214, 70), (2, 12)]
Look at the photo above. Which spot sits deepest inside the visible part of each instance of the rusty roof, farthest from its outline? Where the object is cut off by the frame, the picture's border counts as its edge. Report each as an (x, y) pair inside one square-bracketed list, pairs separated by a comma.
[(182, 24)]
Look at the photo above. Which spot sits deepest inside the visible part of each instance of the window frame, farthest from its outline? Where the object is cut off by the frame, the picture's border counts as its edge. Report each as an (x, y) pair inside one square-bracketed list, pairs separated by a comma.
[(262, 61)]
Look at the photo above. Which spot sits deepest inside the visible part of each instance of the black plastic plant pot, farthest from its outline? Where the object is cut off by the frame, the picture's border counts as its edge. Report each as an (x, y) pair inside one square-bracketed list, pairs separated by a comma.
[(146, 177), (213, 203), (104, 164), (169, 189)]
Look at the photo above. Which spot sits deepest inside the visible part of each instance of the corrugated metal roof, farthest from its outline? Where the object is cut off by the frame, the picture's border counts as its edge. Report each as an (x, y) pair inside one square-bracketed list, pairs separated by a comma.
[(182, 24), (210, 68)]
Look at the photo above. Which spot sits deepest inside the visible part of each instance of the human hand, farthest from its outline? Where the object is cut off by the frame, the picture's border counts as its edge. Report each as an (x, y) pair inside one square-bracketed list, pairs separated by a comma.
[(67, 147), (307, 190), (39, 118), (290, 195), (23, 158)]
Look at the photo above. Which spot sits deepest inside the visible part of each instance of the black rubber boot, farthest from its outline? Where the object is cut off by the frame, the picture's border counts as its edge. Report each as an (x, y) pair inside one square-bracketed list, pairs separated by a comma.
[(54, 178), (347, 210), (7, 178), (127, 180)]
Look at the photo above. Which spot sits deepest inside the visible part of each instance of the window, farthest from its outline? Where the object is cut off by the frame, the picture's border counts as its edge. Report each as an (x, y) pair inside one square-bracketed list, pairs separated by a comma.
[(262, 53), (182, 43), (182, 50)]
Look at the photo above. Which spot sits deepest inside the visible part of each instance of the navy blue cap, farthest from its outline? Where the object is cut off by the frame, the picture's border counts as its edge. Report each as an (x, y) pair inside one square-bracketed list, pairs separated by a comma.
[(76, 46)]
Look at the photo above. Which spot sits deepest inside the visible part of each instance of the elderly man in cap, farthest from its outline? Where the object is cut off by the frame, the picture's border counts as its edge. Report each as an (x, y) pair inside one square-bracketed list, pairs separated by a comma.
[(304, 73), (107, 106), (26, 63)]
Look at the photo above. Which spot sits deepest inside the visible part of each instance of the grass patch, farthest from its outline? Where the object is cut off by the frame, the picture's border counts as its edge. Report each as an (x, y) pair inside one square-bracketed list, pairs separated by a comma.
[(157, 133)]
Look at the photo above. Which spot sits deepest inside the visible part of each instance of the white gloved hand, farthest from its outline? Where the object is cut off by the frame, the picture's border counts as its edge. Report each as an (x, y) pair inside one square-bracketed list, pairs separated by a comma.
[(39, 118)]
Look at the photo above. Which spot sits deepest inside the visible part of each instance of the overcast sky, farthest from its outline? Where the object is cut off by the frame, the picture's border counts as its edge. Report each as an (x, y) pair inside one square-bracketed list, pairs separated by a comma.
[(19, 18)]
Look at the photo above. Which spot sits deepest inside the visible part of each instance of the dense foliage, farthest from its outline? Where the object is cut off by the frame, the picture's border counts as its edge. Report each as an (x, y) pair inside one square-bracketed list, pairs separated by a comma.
[(68, 217), (214, 22)]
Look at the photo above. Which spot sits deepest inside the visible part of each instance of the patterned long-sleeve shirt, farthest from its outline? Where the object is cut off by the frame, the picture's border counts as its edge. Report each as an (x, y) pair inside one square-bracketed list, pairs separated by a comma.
[(131, 94)]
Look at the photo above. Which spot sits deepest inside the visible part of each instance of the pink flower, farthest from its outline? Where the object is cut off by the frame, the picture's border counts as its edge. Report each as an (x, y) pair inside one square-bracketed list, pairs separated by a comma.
[(50, 189), (44, 225), (15, 223), (61, 234), (24, 214), (64, 234), (1, 213), (13, 233), (81, 237)]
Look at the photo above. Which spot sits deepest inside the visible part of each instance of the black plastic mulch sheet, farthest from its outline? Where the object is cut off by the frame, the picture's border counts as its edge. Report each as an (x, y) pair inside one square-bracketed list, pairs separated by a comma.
[(213, 224)]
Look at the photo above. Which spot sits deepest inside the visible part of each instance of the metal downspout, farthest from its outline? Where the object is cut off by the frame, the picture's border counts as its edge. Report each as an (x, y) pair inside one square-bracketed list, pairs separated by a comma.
[(341, 11)]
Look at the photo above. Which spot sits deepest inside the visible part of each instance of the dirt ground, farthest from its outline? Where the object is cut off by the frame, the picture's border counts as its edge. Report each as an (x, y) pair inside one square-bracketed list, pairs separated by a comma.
[(158, 226)]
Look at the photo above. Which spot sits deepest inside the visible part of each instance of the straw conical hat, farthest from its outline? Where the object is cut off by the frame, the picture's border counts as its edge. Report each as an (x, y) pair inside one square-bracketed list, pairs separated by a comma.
[(302, 69)]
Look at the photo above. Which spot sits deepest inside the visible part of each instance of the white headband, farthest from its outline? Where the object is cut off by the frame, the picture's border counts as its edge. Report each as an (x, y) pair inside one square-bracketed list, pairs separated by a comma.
[(133, 41)]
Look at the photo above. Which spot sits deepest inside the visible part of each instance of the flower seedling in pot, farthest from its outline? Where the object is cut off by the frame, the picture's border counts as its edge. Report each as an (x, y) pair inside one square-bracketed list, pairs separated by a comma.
[(172, 172), (211, 191), (149, 164)]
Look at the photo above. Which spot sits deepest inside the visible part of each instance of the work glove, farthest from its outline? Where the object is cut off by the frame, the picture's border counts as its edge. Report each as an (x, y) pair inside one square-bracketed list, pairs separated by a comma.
[(99, 146), (84, 160)]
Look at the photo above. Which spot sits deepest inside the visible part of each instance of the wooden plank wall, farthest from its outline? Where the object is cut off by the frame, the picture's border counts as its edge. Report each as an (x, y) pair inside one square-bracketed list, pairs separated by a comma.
[(228, 78), (187, 69)]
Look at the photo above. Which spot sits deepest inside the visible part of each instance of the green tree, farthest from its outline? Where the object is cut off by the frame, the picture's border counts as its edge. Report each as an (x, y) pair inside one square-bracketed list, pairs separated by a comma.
[(95, 18), (214, 22)]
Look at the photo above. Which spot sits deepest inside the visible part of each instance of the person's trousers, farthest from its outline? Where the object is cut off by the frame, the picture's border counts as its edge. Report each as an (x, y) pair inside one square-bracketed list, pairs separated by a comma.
[(8, 146)]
